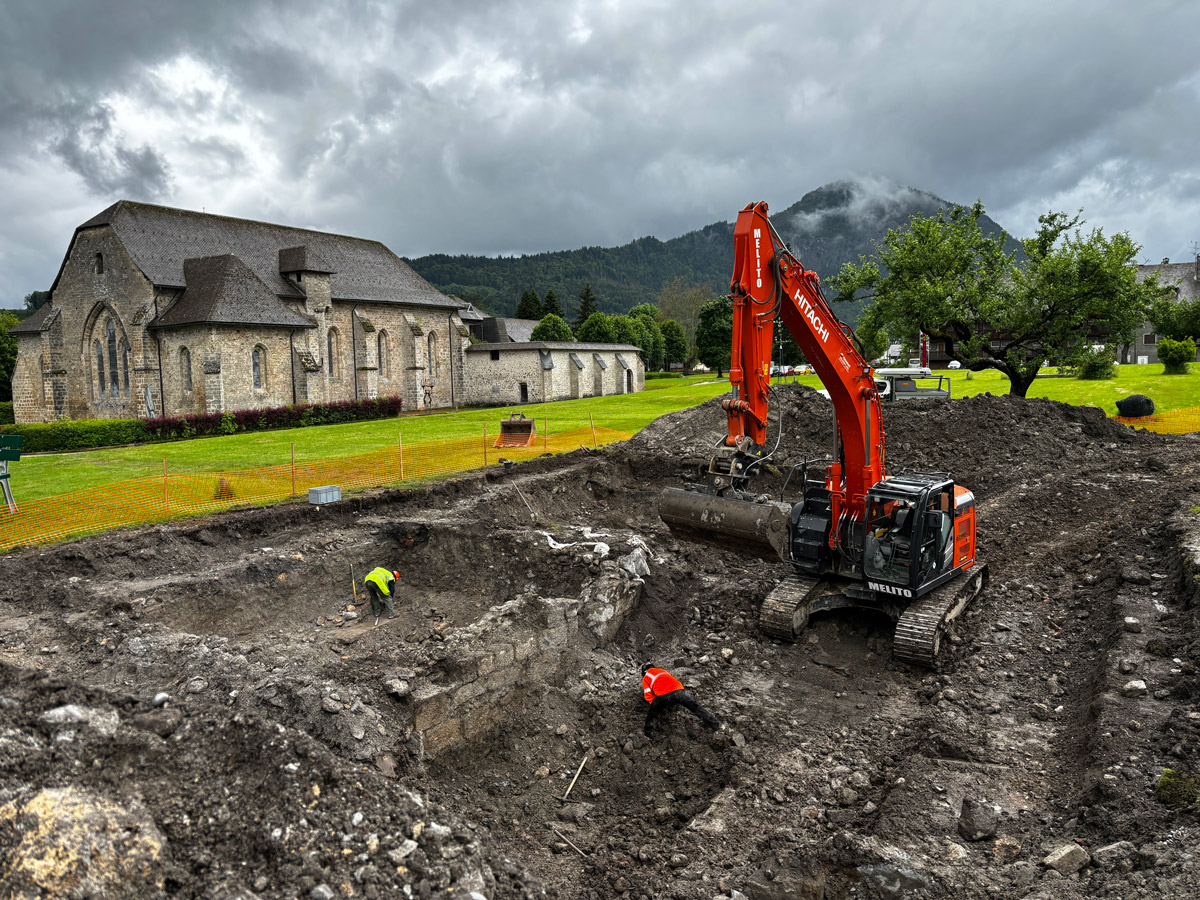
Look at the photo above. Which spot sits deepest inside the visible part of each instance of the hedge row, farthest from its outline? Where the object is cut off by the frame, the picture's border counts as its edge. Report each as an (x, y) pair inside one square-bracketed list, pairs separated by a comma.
[(650, 376), (6, 413), (85, 434)]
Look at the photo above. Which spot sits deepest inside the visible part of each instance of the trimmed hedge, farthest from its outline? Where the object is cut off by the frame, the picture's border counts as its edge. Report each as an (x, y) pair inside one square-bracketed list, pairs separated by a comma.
[(6, 413), (85, 434), (650, 376)]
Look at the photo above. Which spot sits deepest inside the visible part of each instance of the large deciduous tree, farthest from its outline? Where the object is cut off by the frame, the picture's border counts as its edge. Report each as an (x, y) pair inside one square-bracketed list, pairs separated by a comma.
[(598, 329), (675, 345), (714, 334), (1175, 319), (552, 328), (680, 300), (35, 299), (943, 276)]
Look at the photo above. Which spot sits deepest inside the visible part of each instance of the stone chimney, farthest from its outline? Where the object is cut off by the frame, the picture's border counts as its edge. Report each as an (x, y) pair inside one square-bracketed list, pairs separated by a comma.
[(1198, 268)]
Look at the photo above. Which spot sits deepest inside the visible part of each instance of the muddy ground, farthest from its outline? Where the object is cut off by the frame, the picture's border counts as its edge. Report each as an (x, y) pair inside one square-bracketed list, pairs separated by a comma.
[(203, 710)]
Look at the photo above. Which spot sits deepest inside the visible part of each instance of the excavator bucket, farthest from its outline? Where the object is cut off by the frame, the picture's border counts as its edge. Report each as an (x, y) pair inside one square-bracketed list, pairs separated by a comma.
[(516, 431), (756, 527)]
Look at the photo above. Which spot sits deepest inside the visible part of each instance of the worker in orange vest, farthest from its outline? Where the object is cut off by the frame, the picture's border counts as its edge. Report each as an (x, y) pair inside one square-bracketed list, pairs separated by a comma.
[(662, 690)]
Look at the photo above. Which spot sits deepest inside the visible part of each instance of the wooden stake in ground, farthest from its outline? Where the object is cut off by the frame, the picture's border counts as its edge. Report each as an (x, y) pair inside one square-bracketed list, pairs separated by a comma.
[(353, 584), (575, 779)]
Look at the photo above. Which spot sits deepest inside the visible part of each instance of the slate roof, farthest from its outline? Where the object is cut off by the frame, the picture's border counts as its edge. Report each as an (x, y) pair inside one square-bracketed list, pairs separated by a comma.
[(160, 238), (499, 330), (222, 290), (1185, 276), (33, 324)]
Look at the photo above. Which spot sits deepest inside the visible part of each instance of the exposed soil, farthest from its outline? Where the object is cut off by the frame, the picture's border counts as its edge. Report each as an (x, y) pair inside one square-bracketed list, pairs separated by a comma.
[(287, 758)]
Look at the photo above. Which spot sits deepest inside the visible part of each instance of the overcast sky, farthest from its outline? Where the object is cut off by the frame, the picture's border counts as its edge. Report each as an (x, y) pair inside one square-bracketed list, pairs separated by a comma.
[(496, 128)]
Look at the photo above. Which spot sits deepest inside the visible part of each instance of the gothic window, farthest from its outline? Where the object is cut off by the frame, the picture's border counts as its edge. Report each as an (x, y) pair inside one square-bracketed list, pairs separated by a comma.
[(114, 376), (258, 362), (383, 355), (185, 369), (333, 350), (431, 349), (125, 366), (99, 263), (101, 384)]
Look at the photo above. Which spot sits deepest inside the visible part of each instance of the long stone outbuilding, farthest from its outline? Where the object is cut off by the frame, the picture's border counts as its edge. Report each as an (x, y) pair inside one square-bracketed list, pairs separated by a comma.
[(540, 371), (164, 312)]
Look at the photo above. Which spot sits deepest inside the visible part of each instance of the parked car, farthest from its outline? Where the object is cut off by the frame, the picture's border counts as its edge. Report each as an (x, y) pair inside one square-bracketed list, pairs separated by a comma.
[(803, 370), (954, 364)]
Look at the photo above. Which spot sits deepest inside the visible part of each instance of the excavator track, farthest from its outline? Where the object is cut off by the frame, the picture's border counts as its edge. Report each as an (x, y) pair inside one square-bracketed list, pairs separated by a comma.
[(785, 611), (922, 626)]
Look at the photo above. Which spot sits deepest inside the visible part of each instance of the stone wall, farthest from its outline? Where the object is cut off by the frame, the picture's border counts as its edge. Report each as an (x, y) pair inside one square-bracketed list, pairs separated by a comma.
[(491, 667), (494, 382)]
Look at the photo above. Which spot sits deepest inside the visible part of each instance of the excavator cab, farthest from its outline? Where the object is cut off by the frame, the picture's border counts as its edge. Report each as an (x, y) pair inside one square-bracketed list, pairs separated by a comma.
[(920, 531)]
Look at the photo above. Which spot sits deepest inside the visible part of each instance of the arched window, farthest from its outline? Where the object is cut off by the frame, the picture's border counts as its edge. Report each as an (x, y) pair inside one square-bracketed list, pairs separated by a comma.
[(99, 263), (383, 355), (333, 351), (125, 367), (114, 376), (431, 348), (258, 362), (101, 384), (185, 369)]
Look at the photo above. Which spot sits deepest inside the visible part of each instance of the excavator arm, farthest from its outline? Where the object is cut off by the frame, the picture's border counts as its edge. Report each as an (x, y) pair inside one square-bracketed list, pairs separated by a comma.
[(769, 282)]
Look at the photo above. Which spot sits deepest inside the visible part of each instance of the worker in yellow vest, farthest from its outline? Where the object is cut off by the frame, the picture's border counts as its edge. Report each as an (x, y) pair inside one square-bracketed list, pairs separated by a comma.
[(381, 585)]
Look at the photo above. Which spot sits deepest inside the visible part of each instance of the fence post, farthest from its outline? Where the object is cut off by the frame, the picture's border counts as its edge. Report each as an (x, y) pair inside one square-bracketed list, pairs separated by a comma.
[(485, 446), (546, 435), (293, 468), (592, 421), (166, 494), (400, 447)]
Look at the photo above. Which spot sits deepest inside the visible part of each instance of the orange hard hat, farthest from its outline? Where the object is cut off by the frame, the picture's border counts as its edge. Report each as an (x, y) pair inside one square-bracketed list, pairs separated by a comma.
[(395, 574)]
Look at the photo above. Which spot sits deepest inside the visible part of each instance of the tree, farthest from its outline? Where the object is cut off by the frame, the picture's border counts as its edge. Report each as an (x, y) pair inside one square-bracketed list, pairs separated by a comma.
[(675, 346), (529, 307), (681, 301), (8, 354), (35, 299), (598, 329), (647, 314), (552, 328), (587, 305), (1176, 319), (943, 276), (1175, 355), (714, 334), (551, 306)]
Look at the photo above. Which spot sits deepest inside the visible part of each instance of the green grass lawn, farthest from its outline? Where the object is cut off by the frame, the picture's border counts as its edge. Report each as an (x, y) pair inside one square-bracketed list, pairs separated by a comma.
[(48, 474)]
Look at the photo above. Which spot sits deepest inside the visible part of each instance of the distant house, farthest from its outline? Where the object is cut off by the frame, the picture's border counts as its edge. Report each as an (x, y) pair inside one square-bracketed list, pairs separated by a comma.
[(1185, 278), (164, 312)]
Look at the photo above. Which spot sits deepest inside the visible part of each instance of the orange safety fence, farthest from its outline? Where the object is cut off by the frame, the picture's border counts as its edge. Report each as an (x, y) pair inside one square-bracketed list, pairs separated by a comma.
[(155, 498), (1173, 421)]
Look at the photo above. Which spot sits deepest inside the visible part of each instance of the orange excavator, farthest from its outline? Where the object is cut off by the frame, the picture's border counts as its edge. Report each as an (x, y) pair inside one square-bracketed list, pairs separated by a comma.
[(901, 544)]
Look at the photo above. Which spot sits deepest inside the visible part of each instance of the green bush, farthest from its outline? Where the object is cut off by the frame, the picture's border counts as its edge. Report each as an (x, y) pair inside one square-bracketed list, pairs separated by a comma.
[(653, 375), (1175, 355), (6, 413), (81, 434), (1096, 365)]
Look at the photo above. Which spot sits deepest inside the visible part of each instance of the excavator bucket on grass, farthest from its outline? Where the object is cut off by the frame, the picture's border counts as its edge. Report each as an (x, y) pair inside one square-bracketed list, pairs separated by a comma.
[(516, 431)]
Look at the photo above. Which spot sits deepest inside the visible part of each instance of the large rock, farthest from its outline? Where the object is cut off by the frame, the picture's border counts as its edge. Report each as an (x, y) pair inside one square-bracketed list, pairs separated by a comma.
[(1135, 406), (977, 821), (1067, 859), (62, 842)]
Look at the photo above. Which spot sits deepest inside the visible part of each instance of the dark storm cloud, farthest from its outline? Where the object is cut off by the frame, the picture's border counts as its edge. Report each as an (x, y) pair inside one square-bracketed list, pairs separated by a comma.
[(499, 127)]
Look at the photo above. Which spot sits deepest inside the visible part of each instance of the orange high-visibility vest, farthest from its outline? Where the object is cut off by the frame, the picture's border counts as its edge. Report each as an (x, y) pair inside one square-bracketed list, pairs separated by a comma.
[(659, 683)]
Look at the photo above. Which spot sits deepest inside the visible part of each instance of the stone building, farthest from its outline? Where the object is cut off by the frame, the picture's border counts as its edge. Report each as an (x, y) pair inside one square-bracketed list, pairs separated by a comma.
[(539, 371), (165, 312), (1185, 279)]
